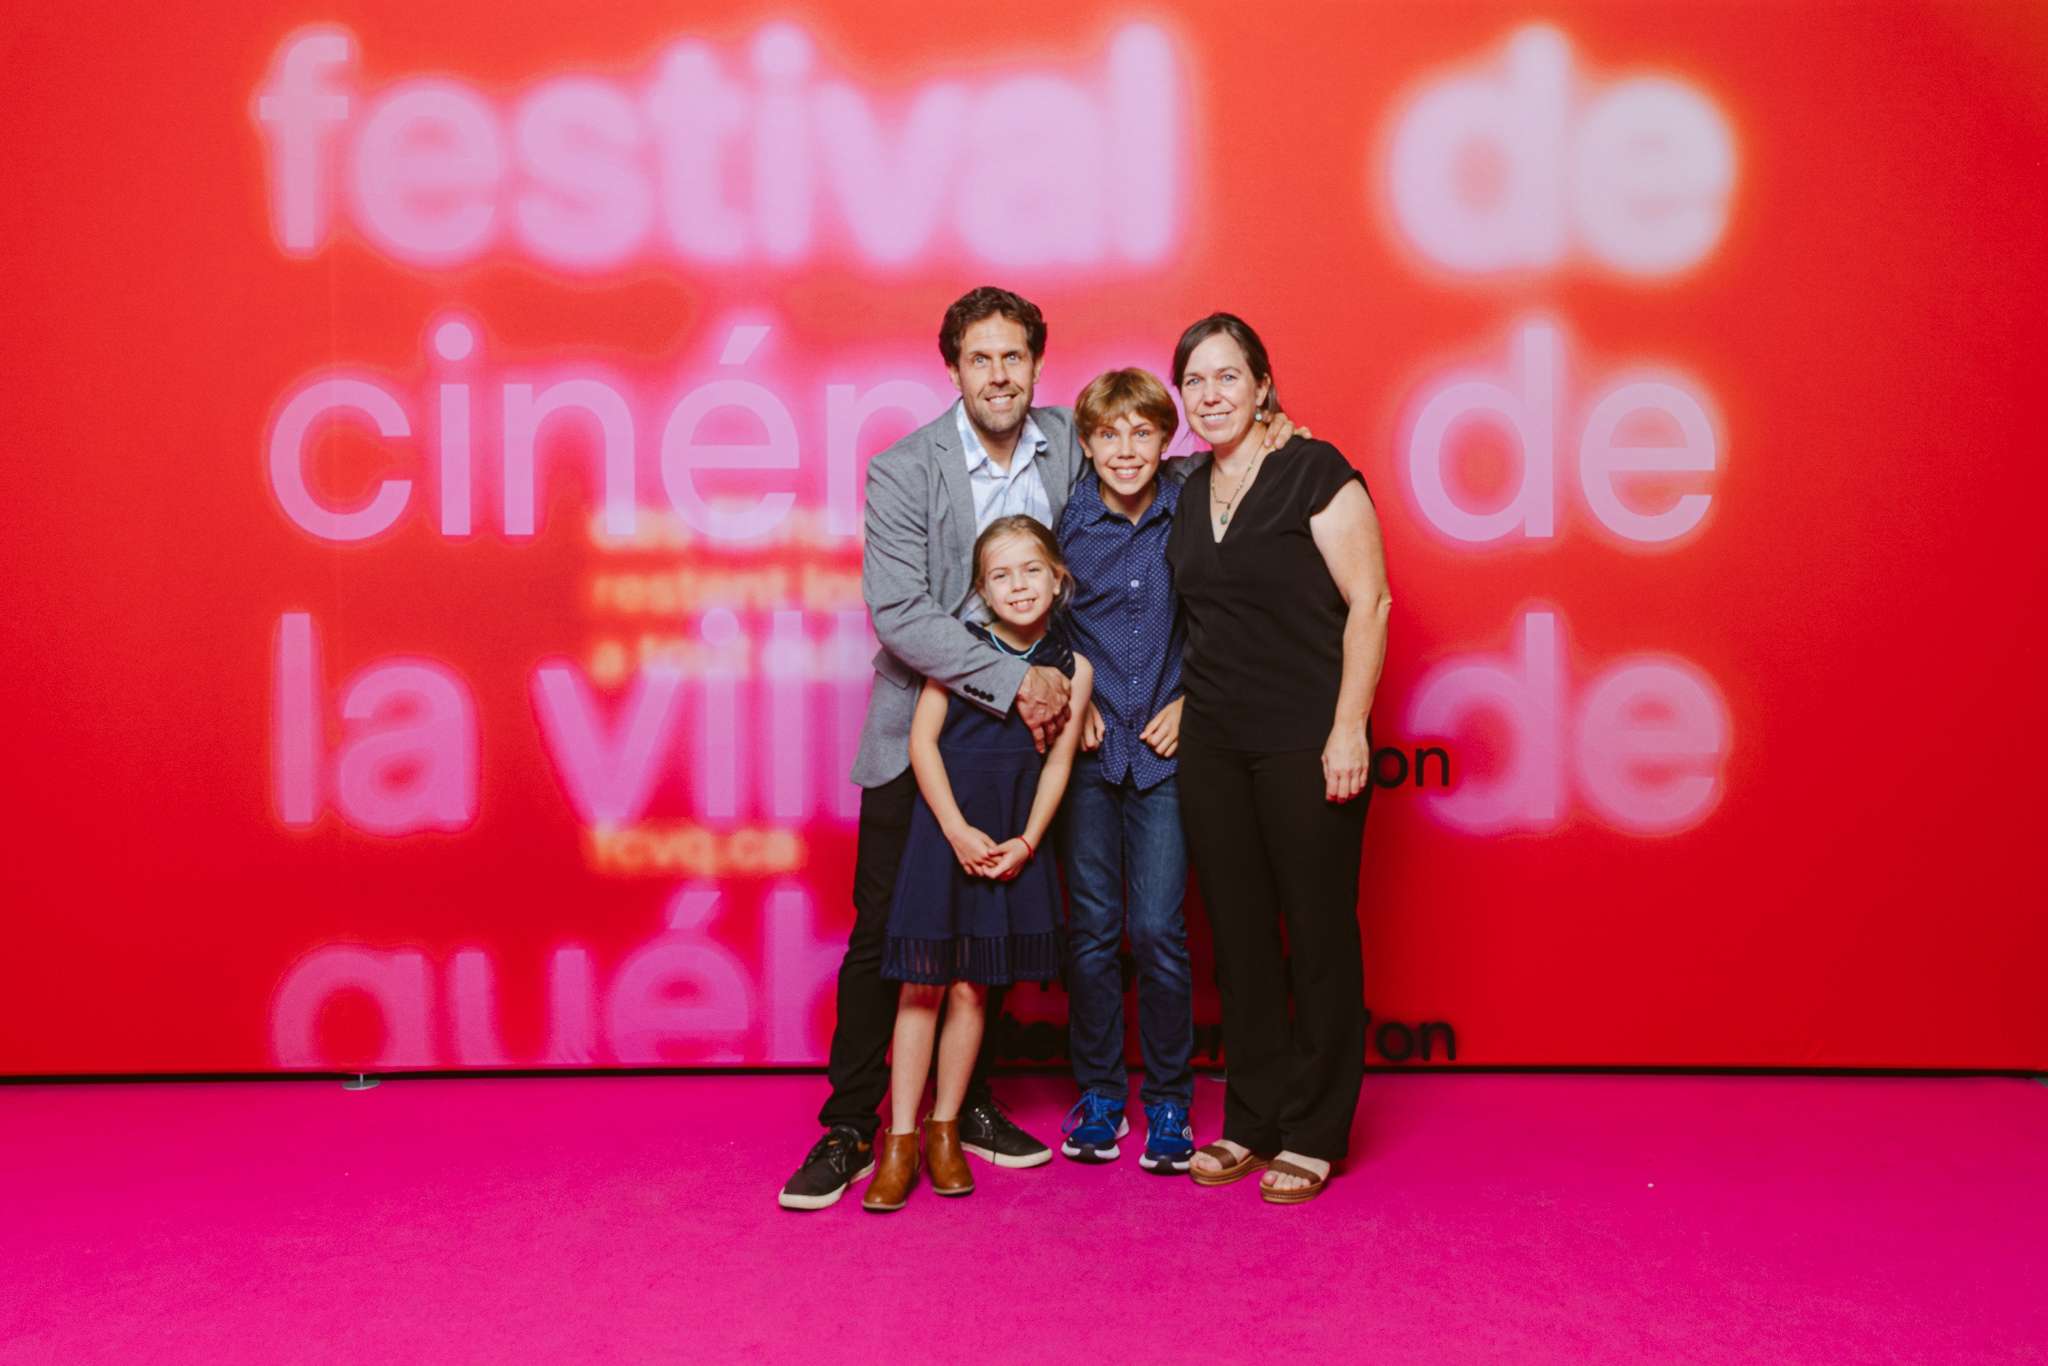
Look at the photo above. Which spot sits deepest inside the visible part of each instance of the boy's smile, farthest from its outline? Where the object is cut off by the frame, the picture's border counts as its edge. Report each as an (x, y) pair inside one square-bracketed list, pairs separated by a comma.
[(1125, 453)]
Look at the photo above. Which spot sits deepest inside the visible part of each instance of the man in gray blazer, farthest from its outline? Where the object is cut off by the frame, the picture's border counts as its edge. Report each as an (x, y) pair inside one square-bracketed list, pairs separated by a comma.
[(928, 496)]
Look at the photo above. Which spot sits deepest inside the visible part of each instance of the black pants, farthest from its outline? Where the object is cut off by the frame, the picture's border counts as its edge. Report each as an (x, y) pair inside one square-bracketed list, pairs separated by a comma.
[(1269, 848), (859, 1067)]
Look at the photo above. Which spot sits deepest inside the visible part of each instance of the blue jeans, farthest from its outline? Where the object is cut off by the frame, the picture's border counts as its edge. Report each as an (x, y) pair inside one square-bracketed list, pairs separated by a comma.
[(1113, 837)]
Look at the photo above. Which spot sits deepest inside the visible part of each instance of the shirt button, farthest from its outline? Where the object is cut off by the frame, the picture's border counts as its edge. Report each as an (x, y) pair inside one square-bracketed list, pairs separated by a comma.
[(1134, 583)]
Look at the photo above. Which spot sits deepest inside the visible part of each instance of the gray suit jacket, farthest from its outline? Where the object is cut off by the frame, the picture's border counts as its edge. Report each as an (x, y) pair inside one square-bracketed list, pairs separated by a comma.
[(916, 574)]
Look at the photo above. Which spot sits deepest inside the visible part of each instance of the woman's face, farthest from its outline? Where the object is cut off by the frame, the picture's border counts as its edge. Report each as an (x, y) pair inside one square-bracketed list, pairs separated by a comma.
[(1017, 581), (1219, 392)]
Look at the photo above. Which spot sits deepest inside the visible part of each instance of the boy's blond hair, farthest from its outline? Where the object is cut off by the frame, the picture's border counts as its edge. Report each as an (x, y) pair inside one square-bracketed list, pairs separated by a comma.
[(1124, 393)]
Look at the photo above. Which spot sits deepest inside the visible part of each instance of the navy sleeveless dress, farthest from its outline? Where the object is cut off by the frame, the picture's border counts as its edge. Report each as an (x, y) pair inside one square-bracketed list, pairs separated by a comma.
[(945, 926)]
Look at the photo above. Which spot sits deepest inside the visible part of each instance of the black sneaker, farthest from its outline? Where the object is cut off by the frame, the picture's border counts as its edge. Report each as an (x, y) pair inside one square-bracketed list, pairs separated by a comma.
[(990, 1135), (836, 1161)]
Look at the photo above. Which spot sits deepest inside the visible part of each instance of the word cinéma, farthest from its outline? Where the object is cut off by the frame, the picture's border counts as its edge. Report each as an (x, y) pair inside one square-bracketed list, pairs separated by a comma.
[(481, 438), (775, 164)]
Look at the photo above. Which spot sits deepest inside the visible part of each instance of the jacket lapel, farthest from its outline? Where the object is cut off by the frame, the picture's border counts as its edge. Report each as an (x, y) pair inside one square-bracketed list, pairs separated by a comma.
[(953, 479), (1062, 467)]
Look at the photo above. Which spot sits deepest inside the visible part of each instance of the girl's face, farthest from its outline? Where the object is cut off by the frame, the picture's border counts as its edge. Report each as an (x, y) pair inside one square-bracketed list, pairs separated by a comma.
[(1219, 392), (1018, 582)]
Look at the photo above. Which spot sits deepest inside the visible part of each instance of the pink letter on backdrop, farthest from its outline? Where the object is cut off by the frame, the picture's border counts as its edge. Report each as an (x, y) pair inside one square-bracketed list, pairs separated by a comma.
[(847, 411), (680, 990), (1525, 793), (608, 776), (1042, 203), (1519, 122), (472, 1001), (396, 981), (572, 1008), (591, 206), (782, 159), (1652, 172), (315, 400), (683, 457), (524, 414), (891, 197), (800, 966), (1601, 459), (411, 764), (300, 113), (696, 113), (428, 164), (1682, 740), (1146, 99), (296, 745), (1527, 412)]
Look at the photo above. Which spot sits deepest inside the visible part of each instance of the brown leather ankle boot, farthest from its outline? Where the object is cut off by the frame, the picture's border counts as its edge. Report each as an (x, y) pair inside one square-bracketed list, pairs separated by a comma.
[(942, 1154), (895, 1173)]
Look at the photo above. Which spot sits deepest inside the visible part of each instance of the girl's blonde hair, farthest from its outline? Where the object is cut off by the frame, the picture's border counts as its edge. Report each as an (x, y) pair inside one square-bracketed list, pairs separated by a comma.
[(1021, 525)]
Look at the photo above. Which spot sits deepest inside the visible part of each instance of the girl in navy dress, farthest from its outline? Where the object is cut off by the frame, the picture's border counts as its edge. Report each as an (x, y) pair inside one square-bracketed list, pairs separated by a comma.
[(974, 907)]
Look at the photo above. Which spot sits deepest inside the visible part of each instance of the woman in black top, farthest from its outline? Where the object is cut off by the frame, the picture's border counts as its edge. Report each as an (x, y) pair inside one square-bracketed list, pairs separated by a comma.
[(1285, 589)]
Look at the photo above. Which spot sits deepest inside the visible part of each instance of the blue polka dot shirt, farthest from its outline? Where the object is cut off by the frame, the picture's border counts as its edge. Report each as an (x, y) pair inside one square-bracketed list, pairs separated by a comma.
[(1124, 618)]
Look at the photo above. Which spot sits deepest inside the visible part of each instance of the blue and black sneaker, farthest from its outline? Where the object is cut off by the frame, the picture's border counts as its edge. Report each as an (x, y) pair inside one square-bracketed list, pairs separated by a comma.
[(1093, 1126), (1169, 1139)]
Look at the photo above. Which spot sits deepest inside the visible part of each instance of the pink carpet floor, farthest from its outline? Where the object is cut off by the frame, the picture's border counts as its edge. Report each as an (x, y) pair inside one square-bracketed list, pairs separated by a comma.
[(1482, 1218)]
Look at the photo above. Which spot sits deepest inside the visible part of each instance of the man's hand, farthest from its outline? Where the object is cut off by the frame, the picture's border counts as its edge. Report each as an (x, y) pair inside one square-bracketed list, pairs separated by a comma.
[(1042, 703), (1344, 761), (1091, 728), (974, 850), (1008, 860), (1162, 732)]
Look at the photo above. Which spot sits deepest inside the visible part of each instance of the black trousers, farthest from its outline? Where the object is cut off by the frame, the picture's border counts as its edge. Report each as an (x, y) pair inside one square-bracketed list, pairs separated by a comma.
[(1269, 848), (859, 1066)]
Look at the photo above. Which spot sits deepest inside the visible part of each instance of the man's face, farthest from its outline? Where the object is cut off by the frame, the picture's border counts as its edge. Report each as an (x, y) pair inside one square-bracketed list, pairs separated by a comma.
[(996, 374), (1125, 453)]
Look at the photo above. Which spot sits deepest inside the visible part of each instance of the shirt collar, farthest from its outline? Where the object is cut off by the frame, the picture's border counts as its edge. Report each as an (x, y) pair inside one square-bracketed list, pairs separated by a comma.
[(1030, 442)]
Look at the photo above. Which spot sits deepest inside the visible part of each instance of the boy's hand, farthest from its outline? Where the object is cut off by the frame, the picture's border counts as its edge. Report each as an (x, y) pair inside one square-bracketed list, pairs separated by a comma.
[(1009, 860), (1282, 430), (1091, 729), (975, 850), (1162, 732)]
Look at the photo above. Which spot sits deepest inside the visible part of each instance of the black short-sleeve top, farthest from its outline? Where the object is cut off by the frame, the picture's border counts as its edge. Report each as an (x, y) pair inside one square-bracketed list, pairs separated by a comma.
[(1265, 643)]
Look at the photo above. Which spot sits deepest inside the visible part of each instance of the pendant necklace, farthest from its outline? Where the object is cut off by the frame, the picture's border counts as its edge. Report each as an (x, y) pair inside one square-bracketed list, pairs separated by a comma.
[(1236, 493)]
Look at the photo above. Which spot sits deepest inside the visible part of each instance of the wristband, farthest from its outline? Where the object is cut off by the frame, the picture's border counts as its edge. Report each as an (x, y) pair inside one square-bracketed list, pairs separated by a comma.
[(1029, 852)]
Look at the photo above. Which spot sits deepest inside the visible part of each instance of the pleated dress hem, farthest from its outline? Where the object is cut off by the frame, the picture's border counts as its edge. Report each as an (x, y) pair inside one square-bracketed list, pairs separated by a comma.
[(997, 961)]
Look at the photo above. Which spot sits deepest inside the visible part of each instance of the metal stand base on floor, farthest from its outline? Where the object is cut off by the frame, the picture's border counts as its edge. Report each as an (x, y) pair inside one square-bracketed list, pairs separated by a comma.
[(359, 1082)]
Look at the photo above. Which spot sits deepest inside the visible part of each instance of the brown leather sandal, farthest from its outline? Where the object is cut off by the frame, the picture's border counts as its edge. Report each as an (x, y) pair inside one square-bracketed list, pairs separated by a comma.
[(1299, 1194), (1233, 1168)]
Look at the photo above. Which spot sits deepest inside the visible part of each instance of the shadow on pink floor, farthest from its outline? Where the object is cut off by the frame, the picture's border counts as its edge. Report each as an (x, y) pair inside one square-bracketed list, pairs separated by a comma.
[(1501, 1218)]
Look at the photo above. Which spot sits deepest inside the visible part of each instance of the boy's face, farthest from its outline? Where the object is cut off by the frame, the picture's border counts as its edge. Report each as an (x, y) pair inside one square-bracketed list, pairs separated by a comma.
[(1125, 453)]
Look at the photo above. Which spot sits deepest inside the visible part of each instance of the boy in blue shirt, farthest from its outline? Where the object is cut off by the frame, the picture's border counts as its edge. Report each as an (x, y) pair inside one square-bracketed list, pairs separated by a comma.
[(1120, 826)]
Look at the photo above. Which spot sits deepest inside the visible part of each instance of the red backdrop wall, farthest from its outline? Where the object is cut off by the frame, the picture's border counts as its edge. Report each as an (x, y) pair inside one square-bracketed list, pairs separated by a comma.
[(431, 622)]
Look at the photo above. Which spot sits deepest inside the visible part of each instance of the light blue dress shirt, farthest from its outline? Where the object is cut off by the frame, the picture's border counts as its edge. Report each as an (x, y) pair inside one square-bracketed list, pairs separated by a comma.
[(1017, 491)]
